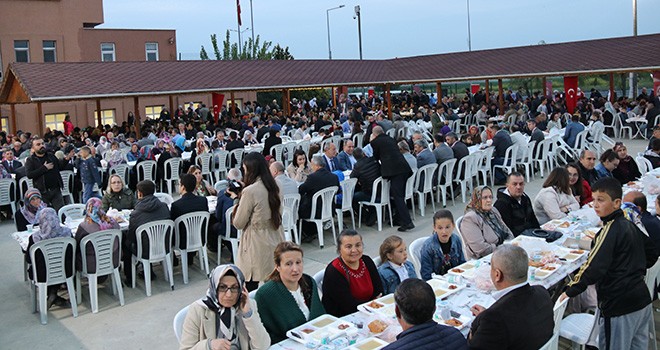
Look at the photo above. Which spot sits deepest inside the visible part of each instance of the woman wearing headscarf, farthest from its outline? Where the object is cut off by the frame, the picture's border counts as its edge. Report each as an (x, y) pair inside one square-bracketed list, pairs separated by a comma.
[(226, 318), (482, 226), (272, 140), (102, 146), (49, 227), (95, 220), (27, 215), (249, 139)]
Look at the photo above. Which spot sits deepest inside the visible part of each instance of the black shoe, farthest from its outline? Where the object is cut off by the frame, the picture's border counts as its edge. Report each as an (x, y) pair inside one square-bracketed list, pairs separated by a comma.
[(370, 221), (175, 261), (405, 228), (61, 302), (307, 239), (141, 275)]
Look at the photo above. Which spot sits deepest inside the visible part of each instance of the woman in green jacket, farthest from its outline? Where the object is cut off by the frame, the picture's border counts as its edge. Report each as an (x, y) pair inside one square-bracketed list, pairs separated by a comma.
[(117, 195), (290, 297)]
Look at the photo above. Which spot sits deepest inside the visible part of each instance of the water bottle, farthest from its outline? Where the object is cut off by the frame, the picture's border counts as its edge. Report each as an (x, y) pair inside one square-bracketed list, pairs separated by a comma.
[(445, 312)]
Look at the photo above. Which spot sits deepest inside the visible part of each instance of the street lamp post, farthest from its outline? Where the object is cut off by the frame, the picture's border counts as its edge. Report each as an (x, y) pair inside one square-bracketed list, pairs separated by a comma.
[(469, 34), (327, 19), (240, 42), (357, 15), (631, 76)]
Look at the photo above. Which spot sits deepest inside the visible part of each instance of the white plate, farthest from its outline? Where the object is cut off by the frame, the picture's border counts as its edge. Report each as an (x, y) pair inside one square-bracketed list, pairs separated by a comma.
[(541, 274), (385, 308), (315, 328), (465, 320), (371, 343), (570, 256), (468, 268), (442, 288)]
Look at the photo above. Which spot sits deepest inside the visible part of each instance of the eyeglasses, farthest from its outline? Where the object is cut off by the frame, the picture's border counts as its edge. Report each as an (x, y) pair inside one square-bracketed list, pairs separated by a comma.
[(232, 290)]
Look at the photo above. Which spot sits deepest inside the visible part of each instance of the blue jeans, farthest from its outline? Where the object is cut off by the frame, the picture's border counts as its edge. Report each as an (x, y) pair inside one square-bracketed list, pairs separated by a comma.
[(88, 192)]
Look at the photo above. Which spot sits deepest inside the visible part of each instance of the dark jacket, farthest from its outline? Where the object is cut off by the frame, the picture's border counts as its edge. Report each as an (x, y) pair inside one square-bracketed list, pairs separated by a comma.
[(429, 336), (221, 207), (501, 141), (626, 171), (315, 182), (37, 172), (337, 298), (520, 320), (83, 230), (590, 175), (119, 200), (652, 225), (271, 141), (366, 170), (390, 279), (517, 216), (617, 263), (147, 209), (460, 150), (88, 171), (15, 164), (188, 203), (391, 160)]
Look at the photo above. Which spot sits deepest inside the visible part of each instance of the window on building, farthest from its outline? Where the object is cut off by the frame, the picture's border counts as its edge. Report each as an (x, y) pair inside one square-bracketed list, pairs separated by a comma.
[(107, 116), (55, 121), (49, 51), (4, 124), (152, 51), (22, 50), (195, 105), (108, 52), (239, 105), (153, 112)]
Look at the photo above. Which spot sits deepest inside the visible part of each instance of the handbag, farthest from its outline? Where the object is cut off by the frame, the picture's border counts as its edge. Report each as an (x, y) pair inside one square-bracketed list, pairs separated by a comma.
[(549, 236)]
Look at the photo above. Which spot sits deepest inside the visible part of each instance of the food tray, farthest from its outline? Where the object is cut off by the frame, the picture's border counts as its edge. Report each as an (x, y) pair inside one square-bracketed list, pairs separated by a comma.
[(541, 273), (371, 343), (466, 269), (382, 306), (571, 255), (442, 289), (465, 320), (562, 225), (317, 327)]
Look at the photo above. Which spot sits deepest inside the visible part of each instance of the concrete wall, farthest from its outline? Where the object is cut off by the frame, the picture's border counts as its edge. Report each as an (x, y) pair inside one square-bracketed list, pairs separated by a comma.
[(129, 43)]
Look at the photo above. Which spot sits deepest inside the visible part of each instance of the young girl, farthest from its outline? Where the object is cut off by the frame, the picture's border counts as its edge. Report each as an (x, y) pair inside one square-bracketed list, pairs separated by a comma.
[(395, 266), (443, 250)]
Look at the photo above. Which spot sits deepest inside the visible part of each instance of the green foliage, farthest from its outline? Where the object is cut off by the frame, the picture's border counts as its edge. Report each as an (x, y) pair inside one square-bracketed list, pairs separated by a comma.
[(250, 50), (203, 55), (214, 42)]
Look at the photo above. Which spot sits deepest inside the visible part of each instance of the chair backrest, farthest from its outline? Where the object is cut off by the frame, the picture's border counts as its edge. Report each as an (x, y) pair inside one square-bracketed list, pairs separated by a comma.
[(277, 151), (172, 168), (195, 224), (580, 141), (652, 277), (71, 211), (67, 182), (164, 197), (304, 146), (159, 233), (377, 261), (146, 170), (291, 201), (238, 155), (415, 251), (221, 186), (410, 185), (347, 190), (8, 191), (318, 278), (460, 236), (427, 172), (290, 149), (23, 185), (327, 196), (228, 224), (487, 157), (528, 157), (54, 253), (205, 162), (643, 164), (558, 310), (103, 243), (121, 170), (358, 139), (391, 133), (178, 322), (446, 169), (510, 156), (220, 160), (463, 169), (288, 223)]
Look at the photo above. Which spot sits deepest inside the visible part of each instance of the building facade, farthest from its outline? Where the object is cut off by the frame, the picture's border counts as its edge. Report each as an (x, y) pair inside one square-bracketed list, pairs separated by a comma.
[(51, 31)]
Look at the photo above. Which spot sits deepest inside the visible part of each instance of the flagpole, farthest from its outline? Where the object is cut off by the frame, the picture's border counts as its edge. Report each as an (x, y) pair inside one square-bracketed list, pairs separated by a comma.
[(252, 25)]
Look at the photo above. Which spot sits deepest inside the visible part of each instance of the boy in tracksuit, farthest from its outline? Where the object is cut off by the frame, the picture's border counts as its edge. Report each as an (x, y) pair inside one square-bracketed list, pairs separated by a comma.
[(89, 173), (617, 263)]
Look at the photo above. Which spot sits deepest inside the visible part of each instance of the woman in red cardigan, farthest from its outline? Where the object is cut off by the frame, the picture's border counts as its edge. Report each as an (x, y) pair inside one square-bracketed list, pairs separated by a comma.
[(580, 186)]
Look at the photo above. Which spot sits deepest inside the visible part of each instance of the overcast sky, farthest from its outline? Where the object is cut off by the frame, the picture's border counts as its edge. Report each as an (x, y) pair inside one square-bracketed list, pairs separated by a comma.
[(390, 28)]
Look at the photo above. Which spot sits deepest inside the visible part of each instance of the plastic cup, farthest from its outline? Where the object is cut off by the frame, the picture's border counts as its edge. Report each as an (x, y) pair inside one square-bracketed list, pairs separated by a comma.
[(29, 228)]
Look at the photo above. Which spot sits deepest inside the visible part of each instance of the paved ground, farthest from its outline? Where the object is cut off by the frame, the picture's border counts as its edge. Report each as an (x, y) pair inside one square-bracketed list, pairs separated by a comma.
[(146, 322)]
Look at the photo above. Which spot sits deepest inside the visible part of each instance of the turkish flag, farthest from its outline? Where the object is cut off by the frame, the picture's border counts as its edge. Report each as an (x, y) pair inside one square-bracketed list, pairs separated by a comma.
[(238, 12), (570, 91), (218, 99), (656, 83)]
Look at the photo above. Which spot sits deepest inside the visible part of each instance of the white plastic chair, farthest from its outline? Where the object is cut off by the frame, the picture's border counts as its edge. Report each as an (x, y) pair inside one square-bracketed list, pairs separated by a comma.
[(623, 128), (71, 211), (165, 198), (67, 181), (327, 196), (8, 194), (205, 163), (54, 253), (103, 243), (415, 250), (159, 234), (220, 162), (195, 225), (347, 191), (579, 328), (289, 226), (460, 236), (290, 149), (427, 187), (527, 161), (445, 170), (463, 176), (651, 280), (121, 170), (643, 164), (237, 155), (177, 324), (543, 158), (484, 165), (318, 278), (172, 169), (146, 170), (509, 164), (23, 185), (358, 140), (292, 201), (304, 146), (277, 151), (410, 191), (558, 311), (232, 241), (379, 203), (221, 186)]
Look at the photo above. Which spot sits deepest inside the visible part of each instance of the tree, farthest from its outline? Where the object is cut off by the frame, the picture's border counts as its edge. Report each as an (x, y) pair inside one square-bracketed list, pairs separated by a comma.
[(249, 51), (203, 55)]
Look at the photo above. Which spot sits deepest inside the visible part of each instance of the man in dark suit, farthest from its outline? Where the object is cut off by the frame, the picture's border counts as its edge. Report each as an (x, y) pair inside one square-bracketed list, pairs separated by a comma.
[(501, 142), (10, 163), (536, 134), (345, 159), (234, 143), (459, 148), (395, 168), (522, 316), (188, 203), (366, 170), (330, 156), (319, 179)]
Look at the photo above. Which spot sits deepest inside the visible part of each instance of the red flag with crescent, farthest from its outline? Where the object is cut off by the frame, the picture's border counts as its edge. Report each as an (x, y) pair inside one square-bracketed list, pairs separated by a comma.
[(570, 91), (238, 12)]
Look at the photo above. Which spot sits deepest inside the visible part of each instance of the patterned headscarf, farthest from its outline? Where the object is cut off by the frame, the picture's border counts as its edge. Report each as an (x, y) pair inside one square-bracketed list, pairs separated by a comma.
[(211, 298), (95, 213), (634, 215), (498, 226), (28, 210), (49, 226)]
